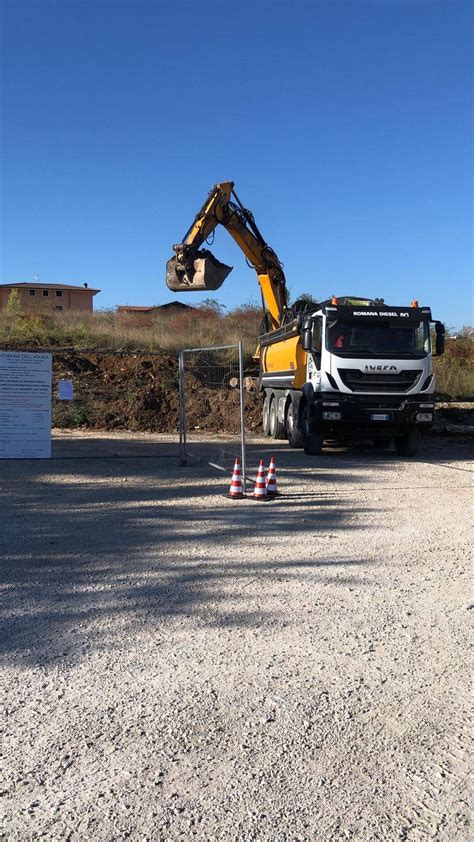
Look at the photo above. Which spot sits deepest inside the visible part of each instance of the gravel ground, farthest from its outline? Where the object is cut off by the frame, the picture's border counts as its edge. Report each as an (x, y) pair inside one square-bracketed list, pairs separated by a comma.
[(178, 665)]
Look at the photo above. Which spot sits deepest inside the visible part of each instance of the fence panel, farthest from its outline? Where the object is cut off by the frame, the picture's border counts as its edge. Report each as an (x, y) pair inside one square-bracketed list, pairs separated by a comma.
[(211, 386)]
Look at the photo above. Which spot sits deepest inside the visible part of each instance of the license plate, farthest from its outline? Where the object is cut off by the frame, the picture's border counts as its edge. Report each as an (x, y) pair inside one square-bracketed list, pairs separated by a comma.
[(380, 416)]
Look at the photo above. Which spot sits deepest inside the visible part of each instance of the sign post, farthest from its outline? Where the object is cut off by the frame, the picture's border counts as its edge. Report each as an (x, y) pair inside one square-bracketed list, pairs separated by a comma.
[(25, 405)]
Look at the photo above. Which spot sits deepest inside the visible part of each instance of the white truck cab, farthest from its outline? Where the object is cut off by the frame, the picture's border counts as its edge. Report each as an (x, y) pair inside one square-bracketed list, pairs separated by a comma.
[(368, 375)]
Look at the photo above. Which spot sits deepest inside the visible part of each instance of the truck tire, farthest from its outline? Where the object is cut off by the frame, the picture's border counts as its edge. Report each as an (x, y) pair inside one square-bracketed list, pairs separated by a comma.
[(293, 431), (407, 445), (312, 439), (277, 429), (381, 444), (266, 415)]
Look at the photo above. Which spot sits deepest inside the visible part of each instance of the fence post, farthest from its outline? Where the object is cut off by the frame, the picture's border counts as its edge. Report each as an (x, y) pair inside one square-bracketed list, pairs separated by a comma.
[(242, 414), (182, 413)]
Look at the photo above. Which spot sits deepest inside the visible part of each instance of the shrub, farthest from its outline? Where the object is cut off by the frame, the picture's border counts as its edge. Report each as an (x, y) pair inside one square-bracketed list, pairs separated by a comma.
[(13, 306), (454, 371)]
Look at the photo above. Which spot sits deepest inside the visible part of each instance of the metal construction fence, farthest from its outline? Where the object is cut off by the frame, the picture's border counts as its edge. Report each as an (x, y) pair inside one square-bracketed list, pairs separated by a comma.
[(188, 406), (211, 383)]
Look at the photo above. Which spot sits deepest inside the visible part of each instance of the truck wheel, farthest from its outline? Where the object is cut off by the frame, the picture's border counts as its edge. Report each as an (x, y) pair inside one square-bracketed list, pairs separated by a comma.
[(277, 429), (312, 440), (381, 444), (293, 431), (266, 416), (407, 445)]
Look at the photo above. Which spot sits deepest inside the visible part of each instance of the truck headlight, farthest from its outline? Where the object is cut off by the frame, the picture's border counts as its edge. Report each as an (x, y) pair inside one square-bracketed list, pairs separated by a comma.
[(331, 416), (424, 416)]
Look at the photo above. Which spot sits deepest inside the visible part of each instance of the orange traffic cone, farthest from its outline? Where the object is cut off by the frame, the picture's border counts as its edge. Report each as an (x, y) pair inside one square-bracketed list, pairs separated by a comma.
[(236, 491), (260, 490), (271, 481)]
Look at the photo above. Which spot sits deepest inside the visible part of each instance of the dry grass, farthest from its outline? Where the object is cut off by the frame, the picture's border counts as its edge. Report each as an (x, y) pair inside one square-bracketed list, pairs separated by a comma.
[(119, 331), (455, 370)]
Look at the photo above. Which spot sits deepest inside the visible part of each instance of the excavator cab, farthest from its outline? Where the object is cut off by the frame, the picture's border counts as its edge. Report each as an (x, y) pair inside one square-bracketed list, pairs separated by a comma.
[(194, 270)]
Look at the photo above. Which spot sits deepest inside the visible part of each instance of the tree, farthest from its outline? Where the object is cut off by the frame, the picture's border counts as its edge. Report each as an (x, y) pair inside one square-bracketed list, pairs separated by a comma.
[(307, 298), (13, 305), (303, 303), (212, 306)]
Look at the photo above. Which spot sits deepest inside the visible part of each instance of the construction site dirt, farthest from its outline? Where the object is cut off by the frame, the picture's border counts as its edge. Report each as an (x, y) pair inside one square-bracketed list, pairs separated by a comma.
[(180, 665), (139, 392)]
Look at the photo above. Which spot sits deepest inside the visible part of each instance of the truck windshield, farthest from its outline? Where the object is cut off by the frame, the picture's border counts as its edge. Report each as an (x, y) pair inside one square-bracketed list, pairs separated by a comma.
[(384, 338)]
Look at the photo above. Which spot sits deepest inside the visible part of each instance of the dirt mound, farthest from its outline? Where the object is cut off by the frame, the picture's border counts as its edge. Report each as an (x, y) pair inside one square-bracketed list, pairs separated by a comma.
[(139, 392)]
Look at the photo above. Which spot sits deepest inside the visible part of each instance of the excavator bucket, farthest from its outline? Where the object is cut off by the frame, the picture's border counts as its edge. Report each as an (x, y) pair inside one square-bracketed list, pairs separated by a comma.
[(197, 272)]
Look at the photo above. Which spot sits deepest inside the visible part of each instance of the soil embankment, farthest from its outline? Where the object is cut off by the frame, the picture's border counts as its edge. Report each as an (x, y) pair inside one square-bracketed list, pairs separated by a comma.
[(139, 392)]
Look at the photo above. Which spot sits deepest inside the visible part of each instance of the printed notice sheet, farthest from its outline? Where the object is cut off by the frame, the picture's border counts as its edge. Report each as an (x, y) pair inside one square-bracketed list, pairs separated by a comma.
[(65, 390), (25, 405)]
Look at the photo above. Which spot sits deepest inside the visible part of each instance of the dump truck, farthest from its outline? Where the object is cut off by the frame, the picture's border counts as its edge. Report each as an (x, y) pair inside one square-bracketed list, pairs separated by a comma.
[(347, 369)]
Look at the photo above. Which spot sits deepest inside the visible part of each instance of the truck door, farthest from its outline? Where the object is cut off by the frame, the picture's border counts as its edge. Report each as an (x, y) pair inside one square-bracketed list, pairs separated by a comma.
[(314, 358)]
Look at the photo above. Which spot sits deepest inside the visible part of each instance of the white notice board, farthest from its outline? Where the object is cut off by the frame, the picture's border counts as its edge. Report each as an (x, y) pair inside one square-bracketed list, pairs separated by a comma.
[(25, 405)]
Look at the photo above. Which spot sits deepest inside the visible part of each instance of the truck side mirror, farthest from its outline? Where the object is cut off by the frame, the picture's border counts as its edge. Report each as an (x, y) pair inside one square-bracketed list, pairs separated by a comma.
[(316, 337), (306, 334), (440, 331)]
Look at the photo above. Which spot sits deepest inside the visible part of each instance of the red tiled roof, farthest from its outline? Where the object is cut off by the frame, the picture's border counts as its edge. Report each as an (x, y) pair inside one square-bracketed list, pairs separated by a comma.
[(172, 306), (126, 308)]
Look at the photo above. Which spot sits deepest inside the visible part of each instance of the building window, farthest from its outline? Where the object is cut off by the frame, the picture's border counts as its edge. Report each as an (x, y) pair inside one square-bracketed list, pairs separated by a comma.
[(46, 292), (58, 307), (32, 292), (59, 293)]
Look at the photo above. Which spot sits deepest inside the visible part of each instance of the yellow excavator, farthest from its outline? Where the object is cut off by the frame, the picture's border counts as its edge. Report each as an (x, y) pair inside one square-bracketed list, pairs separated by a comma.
[(194, 269), (346, 369)]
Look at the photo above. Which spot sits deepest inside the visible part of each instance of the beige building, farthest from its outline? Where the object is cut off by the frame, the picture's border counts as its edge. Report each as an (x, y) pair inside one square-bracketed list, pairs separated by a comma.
[(58, 296)]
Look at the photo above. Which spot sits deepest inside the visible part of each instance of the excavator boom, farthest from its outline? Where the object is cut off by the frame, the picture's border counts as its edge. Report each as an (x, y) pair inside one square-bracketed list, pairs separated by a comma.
[(195, 269)]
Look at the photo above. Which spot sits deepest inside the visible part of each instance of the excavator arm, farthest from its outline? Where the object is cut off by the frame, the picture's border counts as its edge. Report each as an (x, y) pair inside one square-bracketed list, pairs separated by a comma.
[(196, 269)]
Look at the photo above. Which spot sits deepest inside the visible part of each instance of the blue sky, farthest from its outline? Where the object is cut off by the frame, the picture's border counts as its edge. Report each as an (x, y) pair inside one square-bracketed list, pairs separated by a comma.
[(346, 127)]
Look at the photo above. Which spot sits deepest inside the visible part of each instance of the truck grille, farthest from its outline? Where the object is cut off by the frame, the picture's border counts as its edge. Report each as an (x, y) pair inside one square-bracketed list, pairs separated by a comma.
[(359, 381)]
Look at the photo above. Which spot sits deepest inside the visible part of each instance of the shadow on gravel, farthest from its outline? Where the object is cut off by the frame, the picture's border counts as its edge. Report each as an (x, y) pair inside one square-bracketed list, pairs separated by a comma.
[(88, 610), (433, 448), (96, 551), (75, 446), (89, 546)]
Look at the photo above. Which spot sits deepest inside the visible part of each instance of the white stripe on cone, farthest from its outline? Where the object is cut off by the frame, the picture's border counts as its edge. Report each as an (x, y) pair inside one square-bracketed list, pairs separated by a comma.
[(236, 490), (271, 481), (260, 490)]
